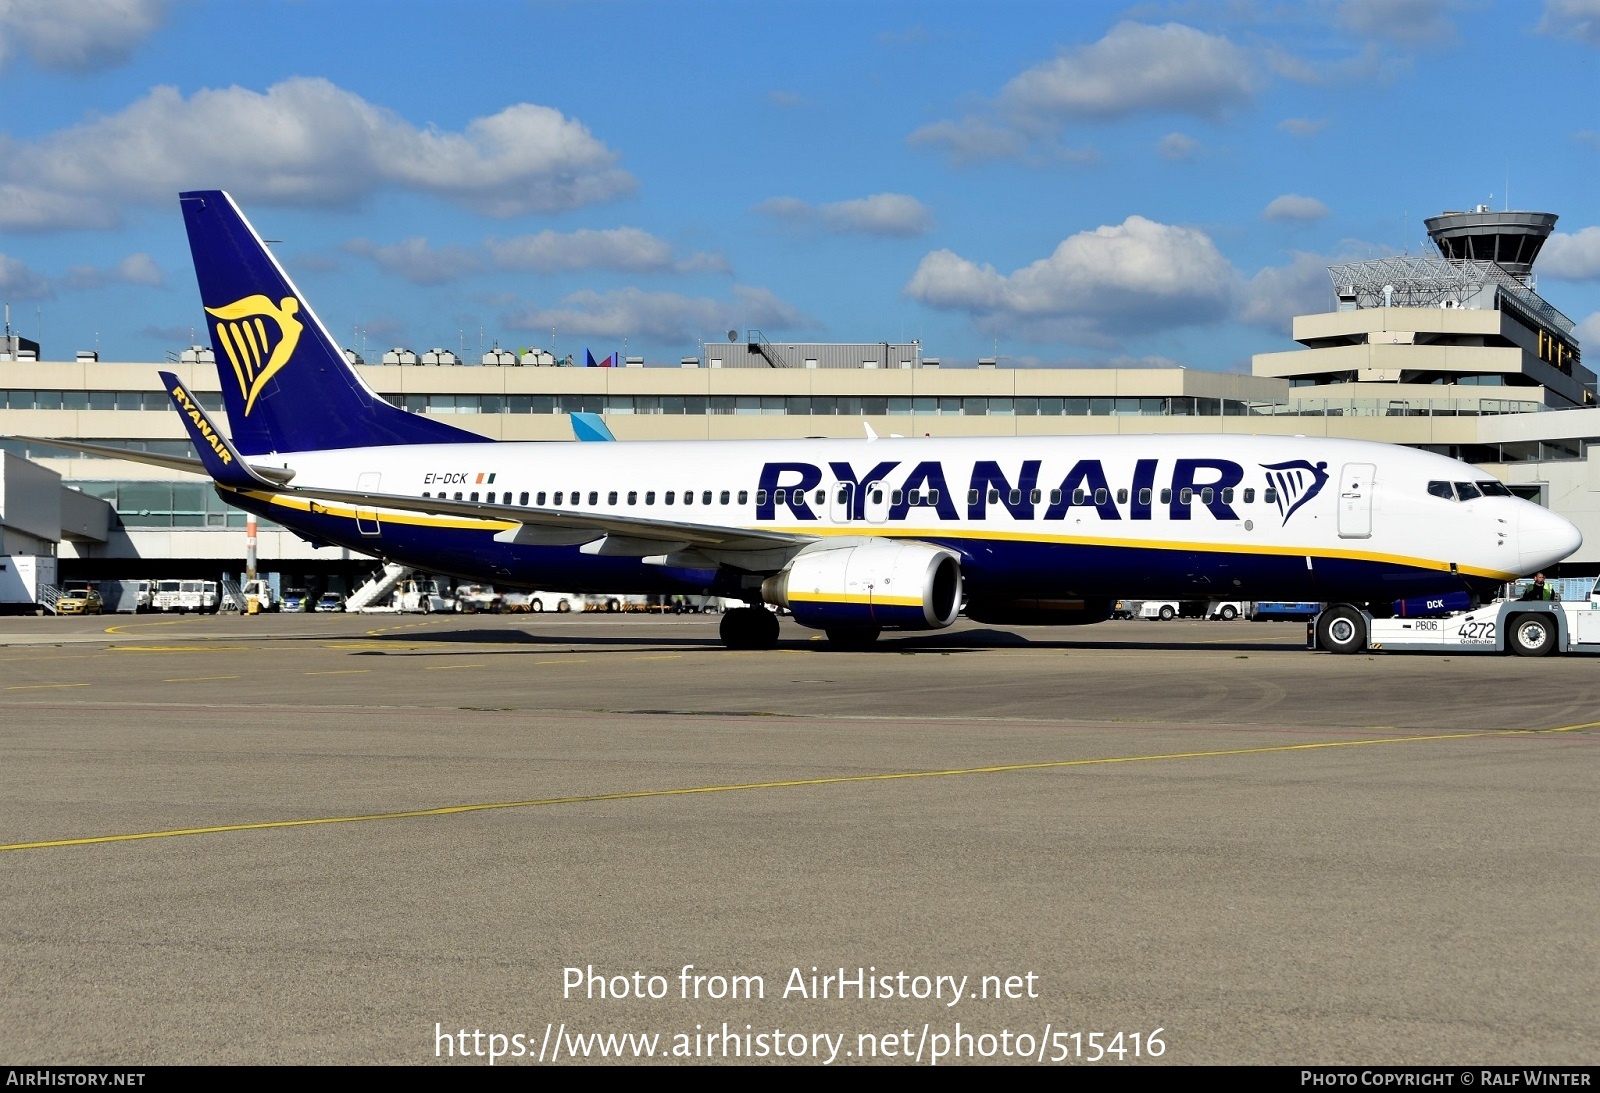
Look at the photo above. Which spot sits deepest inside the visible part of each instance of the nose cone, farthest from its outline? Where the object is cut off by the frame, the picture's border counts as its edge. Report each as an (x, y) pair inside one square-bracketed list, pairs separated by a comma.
[(1544, 538)]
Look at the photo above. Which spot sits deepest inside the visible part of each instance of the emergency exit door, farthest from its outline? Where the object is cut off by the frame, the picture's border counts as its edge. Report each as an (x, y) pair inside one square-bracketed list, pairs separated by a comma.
[(367, 519)]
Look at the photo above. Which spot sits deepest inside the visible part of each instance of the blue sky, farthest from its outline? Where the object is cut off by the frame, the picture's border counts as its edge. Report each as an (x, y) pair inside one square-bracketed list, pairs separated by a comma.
[(1056, 183)]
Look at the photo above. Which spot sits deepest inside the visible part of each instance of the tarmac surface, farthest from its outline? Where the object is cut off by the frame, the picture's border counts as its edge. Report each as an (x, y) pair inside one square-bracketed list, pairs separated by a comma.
[(363, 839)]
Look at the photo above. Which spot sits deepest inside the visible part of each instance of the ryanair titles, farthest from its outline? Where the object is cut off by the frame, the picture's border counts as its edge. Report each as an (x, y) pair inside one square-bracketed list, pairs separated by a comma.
[(202, 428), (1185, 485)]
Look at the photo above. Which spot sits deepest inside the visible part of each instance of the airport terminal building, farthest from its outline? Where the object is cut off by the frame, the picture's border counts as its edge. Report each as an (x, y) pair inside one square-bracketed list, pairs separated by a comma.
[(1456, 353)]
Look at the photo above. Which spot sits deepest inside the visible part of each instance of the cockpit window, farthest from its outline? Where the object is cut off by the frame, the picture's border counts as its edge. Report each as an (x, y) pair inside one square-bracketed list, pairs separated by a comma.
[(1493, 488), (1441, 489), (1467, 491)]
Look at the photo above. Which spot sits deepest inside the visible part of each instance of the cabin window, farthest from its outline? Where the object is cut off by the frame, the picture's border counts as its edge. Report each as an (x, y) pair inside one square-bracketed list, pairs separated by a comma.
[(1249, 495), (1227, 495), (933, 497), (822, 497), (611, 498), (1166, 497), (539, 499), (761, 497), (897, 497), (425, 493), (522, 498), (1055, 497), (994, 497), (1441, 489), (557, 498), (1269, 495), (1034, 495), (688, 497), (1016, 497), (458, 495), (1494, 488), (724, 497), (1206, 495), (1122, 497), (649, 497), (667, 500), (744, 497), (1467, 491), (1077, 497), (877, 495), (1102, 496), (779, 497), (1185, 495), (594, 497), (474, 495), (1144, 496)]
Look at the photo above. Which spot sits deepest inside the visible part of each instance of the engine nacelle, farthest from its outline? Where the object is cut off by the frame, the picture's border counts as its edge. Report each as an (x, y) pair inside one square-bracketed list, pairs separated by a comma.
[(884, 583)]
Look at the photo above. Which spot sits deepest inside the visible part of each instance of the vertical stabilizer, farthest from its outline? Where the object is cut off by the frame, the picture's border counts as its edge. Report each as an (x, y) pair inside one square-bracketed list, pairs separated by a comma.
[(286, 384)]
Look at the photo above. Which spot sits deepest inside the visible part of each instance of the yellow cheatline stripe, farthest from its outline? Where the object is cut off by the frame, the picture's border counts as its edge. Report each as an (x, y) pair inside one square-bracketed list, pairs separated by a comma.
[(856, 597), (843, 779), (878, 530)]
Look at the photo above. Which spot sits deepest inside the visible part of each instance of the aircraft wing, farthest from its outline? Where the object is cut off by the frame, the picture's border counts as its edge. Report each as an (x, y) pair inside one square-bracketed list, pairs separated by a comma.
[(565, 526), (276, 475)]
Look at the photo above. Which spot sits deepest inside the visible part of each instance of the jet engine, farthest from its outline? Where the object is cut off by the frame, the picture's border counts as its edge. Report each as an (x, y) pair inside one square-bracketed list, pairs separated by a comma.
[(870, 583)]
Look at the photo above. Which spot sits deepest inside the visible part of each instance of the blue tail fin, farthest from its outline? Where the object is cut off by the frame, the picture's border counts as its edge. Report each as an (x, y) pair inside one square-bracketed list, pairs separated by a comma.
[(285, 383)]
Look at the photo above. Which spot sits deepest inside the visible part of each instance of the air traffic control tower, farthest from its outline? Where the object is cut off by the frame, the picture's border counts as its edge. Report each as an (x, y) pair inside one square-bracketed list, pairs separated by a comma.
[(1438, 334)]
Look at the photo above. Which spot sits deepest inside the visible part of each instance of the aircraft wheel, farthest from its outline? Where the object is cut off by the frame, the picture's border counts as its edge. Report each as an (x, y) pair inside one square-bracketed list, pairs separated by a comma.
[(853, 637), (749, 628), (1167, 612), (1228, 613), (1532, 635), (1341, 629)]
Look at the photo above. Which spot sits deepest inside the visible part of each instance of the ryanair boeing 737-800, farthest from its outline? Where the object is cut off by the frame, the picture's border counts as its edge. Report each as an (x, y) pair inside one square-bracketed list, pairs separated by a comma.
[(851, 536)]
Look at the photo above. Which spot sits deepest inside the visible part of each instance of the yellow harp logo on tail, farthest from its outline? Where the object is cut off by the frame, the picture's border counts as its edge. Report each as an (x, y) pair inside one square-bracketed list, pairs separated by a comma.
[(255, 347)]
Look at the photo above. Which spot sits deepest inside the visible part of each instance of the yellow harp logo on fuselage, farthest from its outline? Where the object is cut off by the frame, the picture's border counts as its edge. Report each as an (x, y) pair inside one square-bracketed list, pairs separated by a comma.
[(256, 348)]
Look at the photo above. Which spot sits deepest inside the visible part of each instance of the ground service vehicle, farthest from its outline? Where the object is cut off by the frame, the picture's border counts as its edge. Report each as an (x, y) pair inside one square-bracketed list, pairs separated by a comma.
[(79, 601), (185, 596), (423, 597), (1528, 628)]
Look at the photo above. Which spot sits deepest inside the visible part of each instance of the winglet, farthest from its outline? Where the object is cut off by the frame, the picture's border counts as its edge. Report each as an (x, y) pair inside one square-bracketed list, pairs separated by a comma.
[(590, 427), (222, 461)]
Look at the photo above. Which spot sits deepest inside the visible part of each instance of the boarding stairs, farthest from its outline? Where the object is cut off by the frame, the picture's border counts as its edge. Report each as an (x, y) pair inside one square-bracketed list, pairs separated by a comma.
[(232, 596), (47, 597), (374, 595)]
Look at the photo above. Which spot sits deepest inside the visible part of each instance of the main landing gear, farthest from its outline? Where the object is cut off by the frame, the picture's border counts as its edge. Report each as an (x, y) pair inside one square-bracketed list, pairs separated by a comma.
[(749, 628)]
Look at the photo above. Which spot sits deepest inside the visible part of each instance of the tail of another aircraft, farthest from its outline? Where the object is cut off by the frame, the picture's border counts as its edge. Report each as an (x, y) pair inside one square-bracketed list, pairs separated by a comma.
[(285, 383)]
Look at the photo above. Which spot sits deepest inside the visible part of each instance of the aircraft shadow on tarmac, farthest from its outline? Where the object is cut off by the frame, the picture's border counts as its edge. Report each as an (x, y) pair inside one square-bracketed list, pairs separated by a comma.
[(943, 643)]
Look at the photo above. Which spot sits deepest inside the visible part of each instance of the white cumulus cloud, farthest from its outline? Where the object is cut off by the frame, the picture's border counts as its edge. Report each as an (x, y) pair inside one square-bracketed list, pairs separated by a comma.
[(880, 214), (417, 261), (1291, 207), (18, 282), (303, 141), (1177, 147), (76, 35), (1574, 257), (1096, 287), (1136, 68), (1276, 294), (1579, 19), (626, 249), (662, 317)]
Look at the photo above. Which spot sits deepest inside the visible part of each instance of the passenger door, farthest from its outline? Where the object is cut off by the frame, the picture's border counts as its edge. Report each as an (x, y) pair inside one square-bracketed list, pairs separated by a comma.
[(1355, 500)]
